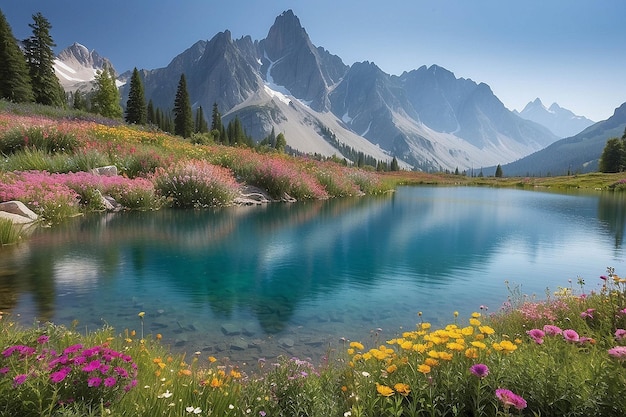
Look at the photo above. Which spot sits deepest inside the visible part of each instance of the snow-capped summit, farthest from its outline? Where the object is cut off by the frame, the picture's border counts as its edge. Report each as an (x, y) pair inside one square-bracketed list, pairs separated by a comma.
[(562, 122), (76, 66)]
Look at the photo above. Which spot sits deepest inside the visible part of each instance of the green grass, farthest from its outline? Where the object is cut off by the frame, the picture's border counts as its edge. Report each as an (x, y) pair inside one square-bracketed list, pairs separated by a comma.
[(9, 232)]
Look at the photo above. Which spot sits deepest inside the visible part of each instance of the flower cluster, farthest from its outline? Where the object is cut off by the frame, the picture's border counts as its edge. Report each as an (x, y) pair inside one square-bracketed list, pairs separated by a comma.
[(77, 373)]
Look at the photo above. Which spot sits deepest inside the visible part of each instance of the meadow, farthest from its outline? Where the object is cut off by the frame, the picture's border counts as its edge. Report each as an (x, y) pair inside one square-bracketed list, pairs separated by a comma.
[(561, 353)]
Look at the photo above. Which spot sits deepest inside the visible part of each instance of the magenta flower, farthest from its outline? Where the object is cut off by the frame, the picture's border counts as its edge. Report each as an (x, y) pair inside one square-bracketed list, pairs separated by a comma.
[(537, 335), (94, 382), (620, 334), (509, 398), (4, 371), (571, 335), (92, 366), (43, 339), (618, 352), (109, 382), (60, 375), (73, 348), (19, 379), (480, 370), (552, 330)]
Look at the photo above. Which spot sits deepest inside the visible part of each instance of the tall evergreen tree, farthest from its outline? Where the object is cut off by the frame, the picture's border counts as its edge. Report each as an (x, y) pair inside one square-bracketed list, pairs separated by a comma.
[(40, 58), (499, 171), (106, 97), (150, 115), (14, 78), (216, 119), (281, 143), (78, 101), (394, 165), (136, 111), (183, 115), (201, 125)]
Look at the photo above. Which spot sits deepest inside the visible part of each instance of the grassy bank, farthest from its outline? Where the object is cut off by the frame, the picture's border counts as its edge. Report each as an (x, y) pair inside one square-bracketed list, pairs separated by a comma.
[(562, 355)]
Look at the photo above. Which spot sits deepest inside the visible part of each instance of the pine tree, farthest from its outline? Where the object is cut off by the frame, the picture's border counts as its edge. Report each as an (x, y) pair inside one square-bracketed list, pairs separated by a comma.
[(40, 58), (498, 171), (183, 116), (216, 119), (394, 165), (201, 125), (136, 104), (14, 78), (106, 97), (78, 101), (281, 143), (150, 115)]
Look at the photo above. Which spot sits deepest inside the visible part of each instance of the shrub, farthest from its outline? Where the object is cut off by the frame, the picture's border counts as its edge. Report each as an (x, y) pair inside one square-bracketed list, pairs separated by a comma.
[(196, 184)]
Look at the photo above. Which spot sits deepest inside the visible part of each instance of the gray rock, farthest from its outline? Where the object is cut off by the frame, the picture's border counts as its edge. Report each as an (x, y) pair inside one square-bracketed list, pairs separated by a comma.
[(286, 342), (18, 208), (230, 329), (238, 344), (107, 171)]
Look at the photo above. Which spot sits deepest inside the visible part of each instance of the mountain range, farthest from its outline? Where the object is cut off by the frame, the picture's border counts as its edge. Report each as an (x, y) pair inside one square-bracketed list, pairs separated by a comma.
[(427, 118), (562, 122)]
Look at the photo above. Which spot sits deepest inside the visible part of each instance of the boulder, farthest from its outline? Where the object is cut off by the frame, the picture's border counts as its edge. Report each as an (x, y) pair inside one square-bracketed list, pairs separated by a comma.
[(107, 171), (18, 208), (15, 218)]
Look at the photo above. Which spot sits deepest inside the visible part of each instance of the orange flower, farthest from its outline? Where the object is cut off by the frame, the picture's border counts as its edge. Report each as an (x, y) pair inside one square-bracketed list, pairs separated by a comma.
[(186, 372), (391, 369), (216, 383), (423, 368), (403, 389)]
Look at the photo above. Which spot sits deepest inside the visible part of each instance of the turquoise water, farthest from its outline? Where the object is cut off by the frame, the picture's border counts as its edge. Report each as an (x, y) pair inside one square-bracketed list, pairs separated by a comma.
[(298, 279)]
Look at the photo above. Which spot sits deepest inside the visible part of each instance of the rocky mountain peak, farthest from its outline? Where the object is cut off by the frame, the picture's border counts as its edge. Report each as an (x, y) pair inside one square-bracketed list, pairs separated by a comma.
[(285, 35)]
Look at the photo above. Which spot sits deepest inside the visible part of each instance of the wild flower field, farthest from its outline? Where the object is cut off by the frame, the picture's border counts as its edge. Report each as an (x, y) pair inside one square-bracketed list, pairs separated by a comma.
[(564, 355), (47, 162)]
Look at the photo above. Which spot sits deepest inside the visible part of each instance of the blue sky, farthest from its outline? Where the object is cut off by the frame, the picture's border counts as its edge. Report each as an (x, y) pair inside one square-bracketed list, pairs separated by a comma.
[(572, 52)]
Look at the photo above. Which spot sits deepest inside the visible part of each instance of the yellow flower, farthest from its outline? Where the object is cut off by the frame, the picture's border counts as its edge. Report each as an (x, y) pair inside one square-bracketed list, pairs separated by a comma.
[(456, 314), (505, 346), (431, 362), (475, 314), (384, 390), (425, 326), (433, 354), (357, 345), (479, 345), (212, 359), (467, 331), (402, 389), (479, 336), (423, 368), (350, 351), (407, 344), (216, 383), (186, 372), (235, 374), (159, 336), (392, 368), (486, 330), (446, 356), (471, 353), (474, 322), (518, 341), (141, 314), (133, 333), (455, 346)]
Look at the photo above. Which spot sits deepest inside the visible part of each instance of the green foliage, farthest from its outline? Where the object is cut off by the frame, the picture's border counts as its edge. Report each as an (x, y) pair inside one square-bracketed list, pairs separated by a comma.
[(9, 232), (200, 125), (48, 140), (14, 78), (498, 173), (40, 58), (136, 112), (613, 157), (183, 115), (106, 97)]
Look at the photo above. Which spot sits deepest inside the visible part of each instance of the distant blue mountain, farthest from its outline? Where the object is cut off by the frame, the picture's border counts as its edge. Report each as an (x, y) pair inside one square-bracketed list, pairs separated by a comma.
[(562, 122)]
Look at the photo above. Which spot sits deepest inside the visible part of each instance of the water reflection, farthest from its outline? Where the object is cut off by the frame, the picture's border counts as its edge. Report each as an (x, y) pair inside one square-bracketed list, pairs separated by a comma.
[(313, 269)]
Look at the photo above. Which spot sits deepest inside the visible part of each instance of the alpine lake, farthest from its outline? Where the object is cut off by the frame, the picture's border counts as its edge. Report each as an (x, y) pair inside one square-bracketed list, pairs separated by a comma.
[(300, 279)]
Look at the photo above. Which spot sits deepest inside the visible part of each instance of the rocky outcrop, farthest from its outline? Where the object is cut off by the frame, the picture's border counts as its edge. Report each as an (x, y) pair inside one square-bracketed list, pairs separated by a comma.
[(17, 212)]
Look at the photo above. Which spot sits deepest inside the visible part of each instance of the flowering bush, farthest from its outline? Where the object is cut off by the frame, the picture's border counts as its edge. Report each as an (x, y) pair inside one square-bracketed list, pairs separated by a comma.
[(196, 184), (48, 139), (36, 378)]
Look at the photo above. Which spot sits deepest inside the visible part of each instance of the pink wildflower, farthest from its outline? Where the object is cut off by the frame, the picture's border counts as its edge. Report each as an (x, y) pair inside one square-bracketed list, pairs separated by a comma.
[(508, 398), (588, 314), (42, 339), (537, 335), (620, 334), (19, 379), (618, 352), (571, 335), (552, 330), (94, 382)]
